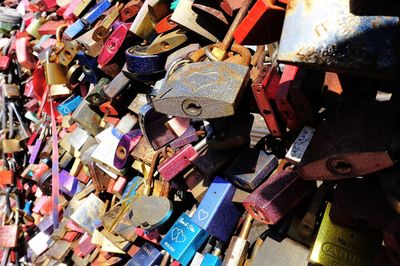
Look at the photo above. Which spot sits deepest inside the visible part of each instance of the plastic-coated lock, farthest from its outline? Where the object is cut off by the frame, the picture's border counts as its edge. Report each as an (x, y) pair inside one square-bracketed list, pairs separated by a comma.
[(183, 239), (215, 207)]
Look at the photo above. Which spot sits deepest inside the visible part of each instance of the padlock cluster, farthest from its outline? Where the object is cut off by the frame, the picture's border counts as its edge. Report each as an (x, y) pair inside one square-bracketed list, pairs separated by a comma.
[(202, 133)]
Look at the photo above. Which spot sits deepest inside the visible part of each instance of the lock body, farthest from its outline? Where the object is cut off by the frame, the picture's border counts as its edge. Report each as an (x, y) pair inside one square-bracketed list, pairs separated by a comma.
[(183, 239), (198, 90)]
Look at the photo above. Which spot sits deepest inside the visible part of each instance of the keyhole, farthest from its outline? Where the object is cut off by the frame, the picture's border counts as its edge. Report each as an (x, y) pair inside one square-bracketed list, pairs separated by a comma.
[(191, 108), (165, 46), (339, 166)]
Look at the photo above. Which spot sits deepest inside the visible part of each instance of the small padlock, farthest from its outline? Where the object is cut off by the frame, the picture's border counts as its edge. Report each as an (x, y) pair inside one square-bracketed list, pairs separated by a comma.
[(56, 74)]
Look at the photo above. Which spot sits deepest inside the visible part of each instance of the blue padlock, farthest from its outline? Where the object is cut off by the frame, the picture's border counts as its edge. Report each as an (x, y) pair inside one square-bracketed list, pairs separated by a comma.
[(130, 189), (216, 213), (183, 239), (95, 12), (74, 30), (147, 255), (69, 105), (89, 67)]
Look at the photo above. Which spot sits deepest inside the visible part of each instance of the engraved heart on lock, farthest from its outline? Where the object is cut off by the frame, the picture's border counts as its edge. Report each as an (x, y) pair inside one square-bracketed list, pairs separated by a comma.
[(202, 214), (178, 235)]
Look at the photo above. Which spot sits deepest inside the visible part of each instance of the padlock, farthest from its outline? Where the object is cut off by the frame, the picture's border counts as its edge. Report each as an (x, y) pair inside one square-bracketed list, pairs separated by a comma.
[(265, 88), (336, 40), (165, 25), (308, 223), (181, 53), (166, 42), (213, 259), (89, 67), (9, 233), (95, 12), (142, 66), (4, 62), (289, 190), (116, 44), (103, 29), (198, 90), (146, 255), (336, 160), (185, 16), (88, 45), (24, 53), (342, 245), (131, 9), (230, 7), (55, 73), (181, 160), (153, 127), (149, 14), (250, 30), (97, 96), (68, 53), (251, 168), (74, 30), (184, 239), (87, 118), (82, 7), (49, 27), (87, 214), (239, 245), (305, 86), (353, 207), (34, 26), (69, 105), (215, 205), (276, 253)]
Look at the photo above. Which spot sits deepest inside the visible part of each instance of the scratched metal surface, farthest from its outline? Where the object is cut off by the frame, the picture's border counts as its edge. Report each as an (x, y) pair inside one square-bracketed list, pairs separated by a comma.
[(323, 33)]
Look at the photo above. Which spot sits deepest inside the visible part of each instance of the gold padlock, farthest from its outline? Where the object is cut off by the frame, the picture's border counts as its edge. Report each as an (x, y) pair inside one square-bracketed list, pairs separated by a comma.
[(55, 73), (11, 145)]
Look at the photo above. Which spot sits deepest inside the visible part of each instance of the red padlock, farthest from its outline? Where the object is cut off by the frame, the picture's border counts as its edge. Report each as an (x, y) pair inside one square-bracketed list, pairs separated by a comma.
[(24, 53), (4, 62), (262, 25), (165, 25), (50, 27), (265, 87), (131, 9)]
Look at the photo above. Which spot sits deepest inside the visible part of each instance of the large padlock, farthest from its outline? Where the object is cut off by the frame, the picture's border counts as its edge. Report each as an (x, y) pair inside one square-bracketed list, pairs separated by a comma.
[(199, 90), (331, 153), (55, 73), (334, 39), (339, 245)]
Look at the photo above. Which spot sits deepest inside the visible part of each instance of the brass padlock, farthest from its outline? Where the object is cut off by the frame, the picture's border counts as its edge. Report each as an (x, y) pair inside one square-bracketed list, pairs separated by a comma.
[(203, 90), (55, 73)]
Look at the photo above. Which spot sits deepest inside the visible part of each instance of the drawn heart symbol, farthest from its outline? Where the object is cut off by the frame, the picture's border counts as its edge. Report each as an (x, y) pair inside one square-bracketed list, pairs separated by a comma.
[(178, 235), (198, 81), (202, 214)]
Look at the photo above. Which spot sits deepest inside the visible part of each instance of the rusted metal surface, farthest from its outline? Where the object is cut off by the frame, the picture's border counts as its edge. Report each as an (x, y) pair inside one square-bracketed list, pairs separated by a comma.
[(353, 141), (325, 34), (203, 90)]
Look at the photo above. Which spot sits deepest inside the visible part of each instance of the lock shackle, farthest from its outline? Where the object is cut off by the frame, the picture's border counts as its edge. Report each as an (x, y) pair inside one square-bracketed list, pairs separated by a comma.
[(60, 31), (206, 51)]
